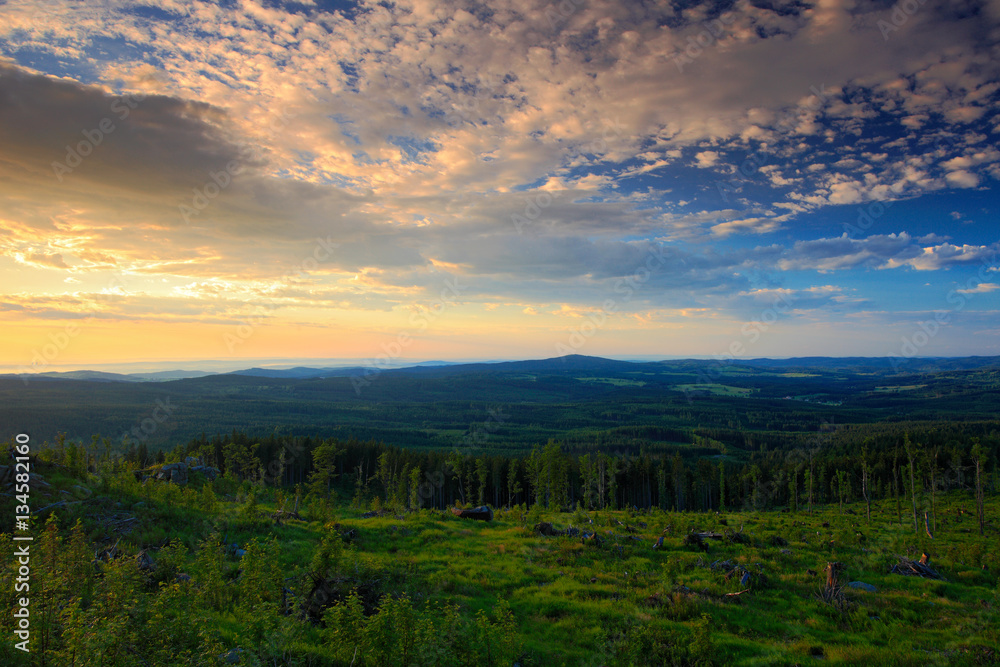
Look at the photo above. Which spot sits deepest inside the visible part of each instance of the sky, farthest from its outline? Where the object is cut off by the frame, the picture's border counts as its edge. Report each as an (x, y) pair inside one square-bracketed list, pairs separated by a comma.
[(238, 180)]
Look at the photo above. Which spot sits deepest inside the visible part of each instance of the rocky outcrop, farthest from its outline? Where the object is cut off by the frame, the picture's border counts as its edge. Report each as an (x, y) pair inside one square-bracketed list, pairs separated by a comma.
[(208, 471), (178, 473), (8, 479)]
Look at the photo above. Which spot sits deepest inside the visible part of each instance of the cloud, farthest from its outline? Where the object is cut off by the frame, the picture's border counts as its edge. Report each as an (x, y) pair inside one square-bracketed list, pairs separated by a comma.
[(882, 252), (962, 179), (981, 288), (356, 158)]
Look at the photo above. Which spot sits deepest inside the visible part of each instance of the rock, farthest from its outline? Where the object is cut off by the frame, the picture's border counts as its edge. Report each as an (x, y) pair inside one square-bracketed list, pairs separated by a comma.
[(192, 461), (572, 532), (208, 471), (174, 472), (232, 657), (183, 576), (36, 481), (860, 585), (544, 528), (144, 561), (179, 475), (240, 553)]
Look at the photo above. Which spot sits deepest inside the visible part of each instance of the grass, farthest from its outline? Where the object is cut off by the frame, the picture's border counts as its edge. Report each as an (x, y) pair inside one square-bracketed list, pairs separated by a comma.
[(617, 382), (580, 604), (716, 389)]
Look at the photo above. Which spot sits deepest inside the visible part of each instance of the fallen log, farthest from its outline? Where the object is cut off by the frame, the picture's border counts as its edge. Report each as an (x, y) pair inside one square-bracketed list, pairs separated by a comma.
[(283, 515), (912, 568), (481, 513), (58, 504)]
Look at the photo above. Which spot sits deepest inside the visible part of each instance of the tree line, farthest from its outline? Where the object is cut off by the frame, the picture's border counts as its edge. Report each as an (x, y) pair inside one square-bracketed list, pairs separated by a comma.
[(906, 466)]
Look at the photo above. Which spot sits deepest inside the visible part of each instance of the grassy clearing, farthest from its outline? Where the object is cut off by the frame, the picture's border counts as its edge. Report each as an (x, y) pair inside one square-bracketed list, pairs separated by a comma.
[(617, 382), (569, 603), (715, 389)]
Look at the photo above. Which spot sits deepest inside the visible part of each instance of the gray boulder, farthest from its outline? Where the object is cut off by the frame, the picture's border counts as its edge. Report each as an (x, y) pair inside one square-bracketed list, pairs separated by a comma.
[(860, 585), (208, 471)]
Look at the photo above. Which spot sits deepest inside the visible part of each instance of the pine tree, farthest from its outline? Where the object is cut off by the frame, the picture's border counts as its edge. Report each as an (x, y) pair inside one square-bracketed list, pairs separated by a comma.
[(978, 454), (809, 486), (324, 468), (911, 454), (722, 486), (514, 488), (482, 475), (933, 466), (587, 481), (415, 500), (865, 471), (679, 482), (793, 490)]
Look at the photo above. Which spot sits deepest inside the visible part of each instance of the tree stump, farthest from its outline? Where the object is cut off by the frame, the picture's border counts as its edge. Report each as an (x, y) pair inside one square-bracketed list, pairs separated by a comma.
[(833, 571)]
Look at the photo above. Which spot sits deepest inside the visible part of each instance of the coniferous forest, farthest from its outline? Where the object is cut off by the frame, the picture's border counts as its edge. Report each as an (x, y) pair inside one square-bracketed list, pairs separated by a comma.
[(712, 525)]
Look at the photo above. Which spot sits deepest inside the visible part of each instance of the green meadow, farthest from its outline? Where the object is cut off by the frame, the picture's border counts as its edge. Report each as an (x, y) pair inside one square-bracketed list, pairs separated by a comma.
[(230, 573)]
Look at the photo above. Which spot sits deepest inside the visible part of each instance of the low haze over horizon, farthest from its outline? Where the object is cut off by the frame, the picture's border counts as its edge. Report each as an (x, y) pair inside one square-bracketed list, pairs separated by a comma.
[(245, 181)]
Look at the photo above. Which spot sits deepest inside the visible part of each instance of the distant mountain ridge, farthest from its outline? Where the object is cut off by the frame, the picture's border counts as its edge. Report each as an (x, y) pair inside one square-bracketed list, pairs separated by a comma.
[(571, 362)]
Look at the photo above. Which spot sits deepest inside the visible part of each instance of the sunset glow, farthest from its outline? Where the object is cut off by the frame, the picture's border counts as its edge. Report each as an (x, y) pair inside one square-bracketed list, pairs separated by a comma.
[(243, 180)]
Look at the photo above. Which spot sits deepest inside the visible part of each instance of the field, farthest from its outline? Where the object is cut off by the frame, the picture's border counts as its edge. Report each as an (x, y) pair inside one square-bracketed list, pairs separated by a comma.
[(540, 600)]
